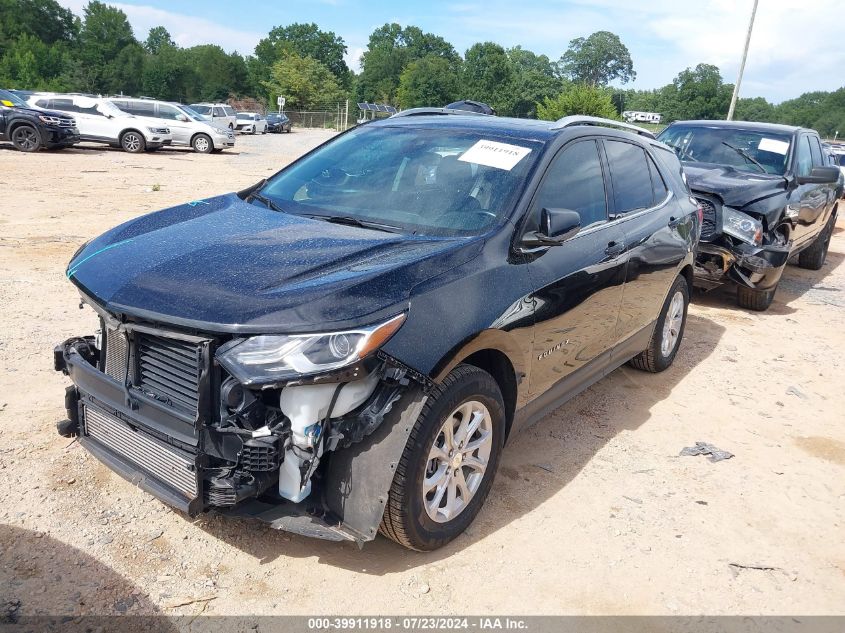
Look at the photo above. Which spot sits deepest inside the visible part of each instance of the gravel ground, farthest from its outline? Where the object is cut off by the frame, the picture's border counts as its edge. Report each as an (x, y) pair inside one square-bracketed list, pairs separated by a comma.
[(592, 511)]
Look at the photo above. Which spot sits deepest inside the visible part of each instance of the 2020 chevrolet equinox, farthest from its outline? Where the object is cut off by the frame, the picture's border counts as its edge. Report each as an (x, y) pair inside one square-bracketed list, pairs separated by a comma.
[(344, 348)]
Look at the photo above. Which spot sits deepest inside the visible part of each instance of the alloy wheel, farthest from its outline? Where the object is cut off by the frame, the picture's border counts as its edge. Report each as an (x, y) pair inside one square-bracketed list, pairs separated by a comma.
[(457, 461), (672, 323), (131, 142), (25, 139)]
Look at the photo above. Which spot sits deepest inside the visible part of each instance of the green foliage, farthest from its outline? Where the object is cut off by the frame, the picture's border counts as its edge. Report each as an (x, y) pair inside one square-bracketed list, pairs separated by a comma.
[(105, 32), (391, 49), (303, 81), (578, 99), (430, 81), (489, 76), (157, 38), (535, 78), (305, 40), (597, 60)]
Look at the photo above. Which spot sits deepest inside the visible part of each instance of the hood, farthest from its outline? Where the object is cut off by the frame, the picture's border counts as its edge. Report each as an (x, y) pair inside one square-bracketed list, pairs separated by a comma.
[(735, 188), (42, 112), (223, 265)]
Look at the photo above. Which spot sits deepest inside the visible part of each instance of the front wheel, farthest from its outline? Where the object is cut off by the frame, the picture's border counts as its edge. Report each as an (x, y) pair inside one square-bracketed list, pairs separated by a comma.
[(202, 144), (813, 258), (668, 331), (25, 139), (752, 299), (449, 463), (133, 142)]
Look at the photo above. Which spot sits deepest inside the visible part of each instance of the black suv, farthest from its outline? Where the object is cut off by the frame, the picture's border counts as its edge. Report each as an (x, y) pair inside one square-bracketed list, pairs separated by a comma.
[(768, 192), (345, 347), (30, 129)]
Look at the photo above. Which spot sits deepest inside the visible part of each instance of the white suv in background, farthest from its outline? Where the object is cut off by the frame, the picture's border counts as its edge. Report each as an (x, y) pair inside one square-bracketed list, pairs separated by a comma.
[(217, 113), (99, 121), (187, 127)]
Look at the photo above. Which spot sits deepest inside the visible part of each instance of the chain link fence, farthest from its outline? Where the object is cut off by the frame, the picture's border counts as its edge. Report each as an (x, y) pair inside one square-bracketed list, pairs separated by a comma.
[(329, 116)]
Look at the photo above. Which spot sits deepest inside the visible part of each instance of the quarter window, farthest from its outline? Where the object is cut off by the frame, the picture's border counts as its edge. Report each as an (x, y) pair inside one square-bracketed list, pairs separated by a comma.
[(630, 173), (658, 185), (574, 181)]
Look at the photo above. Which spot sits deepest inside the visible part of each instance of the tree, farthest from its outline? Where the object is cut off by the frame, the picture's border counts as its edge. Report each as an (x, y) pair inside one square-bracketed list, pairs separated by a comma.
[(488, 76), (757, 109), (391, 49), (45, 19), (535, 79), (430, 81), (158, 37), (698, 93), (105, 32), (598, 60), (303, 81), (578, 99), (306, 40)]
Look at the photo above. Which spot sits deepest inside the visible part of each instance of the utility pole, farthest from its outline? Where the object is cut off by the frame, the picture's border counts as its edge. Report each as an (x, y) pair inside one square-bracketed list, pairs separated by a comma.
[(742, 64)]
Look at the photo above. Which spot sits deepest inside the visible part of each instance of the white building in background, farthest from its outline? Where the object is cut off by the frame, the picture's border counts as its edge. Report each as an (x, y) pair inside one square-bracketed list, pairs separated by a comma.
[(632, 116)]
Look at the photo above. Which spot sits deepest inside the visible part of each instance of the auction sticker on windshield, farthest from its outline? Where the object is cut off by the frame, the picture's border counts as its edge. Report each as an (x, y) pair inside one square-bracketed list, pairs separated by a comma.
[(493, 154), (772, 145)]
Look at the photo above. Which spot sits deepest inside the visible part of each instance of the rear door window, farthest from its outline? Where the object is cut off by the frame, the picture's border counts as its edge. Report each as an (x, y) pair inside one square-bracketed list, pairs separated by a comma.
[(631, 177), (219, 112)]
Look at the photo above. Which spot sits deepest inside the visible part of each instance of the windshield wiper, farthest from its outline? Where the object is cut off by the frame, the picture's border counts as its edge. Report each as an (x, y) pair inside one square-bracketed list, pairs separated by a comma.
[(745, 155), (348, 220), (266, 202)]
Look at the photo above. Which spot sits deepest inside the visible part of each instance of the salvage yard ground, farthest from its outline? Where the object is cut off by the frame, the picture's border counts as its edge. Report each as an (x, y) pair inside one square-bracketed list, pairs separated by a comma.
[(592, 511)]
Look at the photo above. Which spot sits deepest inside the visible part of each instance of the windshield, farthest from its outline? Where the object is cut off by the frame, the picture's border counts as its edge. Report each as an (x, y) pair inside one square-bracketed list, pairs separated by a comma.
[(196, 116), (201, 109), (744, 150), (422, 181), (9, 100)]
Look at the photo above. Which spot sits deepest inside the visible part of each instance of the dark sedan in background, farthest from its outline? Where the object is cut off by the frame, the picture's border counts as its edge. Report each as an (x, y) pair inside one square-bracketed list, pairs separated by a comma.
[(278, 123)]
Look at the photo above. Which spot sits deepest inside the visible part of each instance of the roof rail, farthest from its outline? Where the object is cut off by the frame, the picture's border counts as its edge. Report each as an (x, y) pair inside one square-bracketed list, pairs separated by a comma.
[(578, 119), (423, 111)]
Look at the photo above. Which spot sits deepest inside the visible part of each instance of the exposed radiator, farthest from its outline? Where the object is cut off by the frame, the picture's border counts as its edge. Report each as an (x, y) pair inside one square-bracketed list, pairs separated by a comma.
[(159, 460)]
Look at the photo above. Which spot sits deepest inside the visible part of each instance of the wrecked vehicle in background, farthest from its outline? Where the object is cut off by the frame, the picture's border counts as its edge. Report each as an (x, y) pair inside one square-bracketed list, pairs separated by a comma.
[(344, 347), (768, 193)]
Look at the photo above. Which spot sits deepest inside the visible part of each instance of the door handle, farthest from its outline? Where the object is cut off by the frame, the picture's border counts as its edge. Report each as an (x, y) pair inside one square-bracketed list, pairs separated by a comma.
[(614, 248)]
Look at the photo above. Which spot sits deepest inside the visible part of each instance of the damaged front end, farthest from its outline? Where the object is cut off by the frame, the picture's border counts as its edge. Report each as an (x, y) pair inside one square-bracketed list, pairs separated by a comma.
[(739, 246), (302, 431)]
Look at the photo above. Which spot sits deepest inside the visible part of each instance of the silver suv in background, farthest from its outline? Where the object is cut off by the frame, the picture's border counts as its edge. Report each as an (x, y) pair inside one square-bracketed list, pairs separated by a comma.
[(217, 113), (188, 127)]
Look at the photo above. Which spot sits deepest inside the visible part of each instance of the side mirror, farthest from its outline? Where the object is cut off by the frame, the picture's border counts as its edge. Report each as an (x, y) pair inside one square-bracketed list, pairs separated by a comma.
[(819, 175), (183, 118), (556, 226)]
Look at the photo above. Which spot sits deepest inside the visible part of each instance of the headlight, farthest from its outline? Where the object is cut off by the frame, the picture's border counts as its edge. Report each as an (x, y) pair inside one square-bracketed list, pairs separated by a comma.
[(50, 120), (742, 226), (272, 358), (159, 130)]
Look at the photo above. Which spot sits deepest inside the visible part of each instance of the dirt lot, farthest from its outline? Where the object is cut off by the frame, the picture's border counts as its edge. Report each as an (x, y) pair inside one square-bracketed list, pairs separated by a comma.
[(592, 512)]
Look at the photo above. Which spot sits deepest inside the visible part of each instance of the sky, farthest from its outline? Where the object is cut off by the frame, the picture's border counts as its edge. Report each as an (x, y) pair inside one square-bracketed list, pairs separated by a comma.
[(797, 45)]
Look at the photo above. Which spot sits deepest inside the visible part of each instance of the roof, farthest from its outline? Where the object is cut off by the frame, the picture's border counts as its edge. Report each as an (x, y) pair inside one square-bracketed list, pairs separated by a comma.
[(745, 125), (500, 126)]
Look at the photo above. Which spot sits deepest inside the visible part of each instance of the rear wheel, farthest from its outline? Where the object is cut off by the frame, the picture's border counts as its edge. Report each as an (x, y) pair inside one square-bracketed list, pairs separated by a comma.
[(449, 463), (668, 331), (813, 257), (25, 139), (752, 299), (133, 142), (202, 144)]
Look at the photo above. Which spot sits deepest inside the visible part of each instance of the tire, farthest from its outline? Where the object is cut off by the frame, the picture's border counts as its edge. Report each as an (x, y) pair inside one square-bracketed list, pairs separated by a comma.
[(202, 144), (133, 142), (668, 331), (25, 139), (757, 300), (407, 519), (814, 256)]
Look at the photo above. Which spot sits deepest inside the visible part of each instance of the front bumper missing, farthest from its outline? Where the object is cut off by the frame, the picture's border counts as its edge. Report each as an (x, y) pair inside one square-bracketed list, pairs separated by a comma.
[(755, 267), (138, 443)]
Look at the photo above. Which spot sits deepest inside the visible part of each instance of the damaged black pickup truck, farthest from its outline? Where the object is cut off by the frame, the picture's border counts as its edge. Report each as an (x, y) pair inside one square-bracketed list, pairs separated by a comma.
[(343, 348), (768, 193)]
